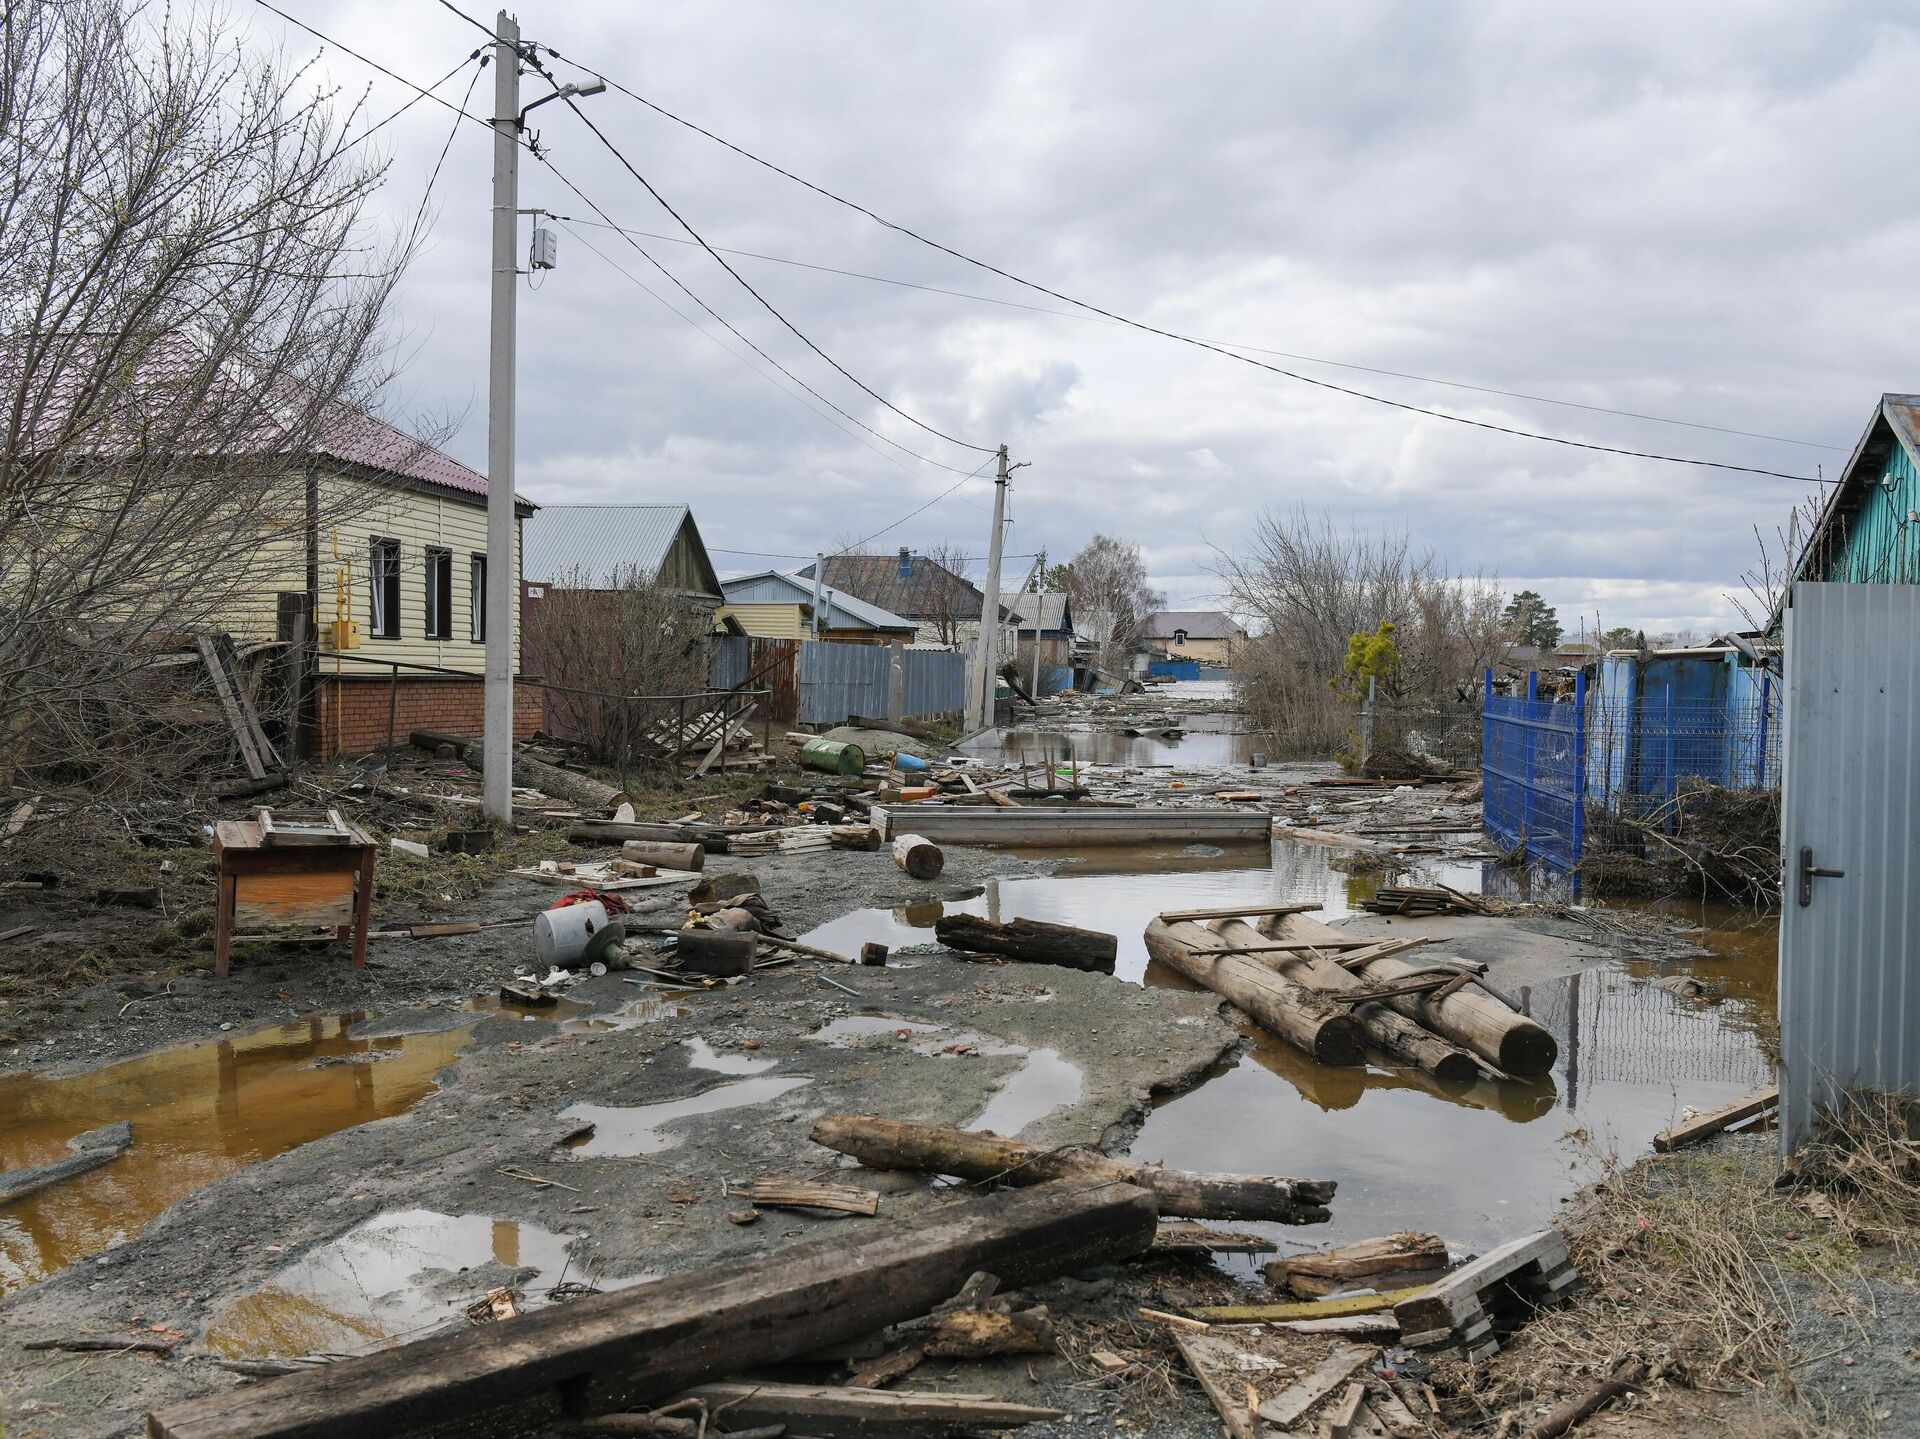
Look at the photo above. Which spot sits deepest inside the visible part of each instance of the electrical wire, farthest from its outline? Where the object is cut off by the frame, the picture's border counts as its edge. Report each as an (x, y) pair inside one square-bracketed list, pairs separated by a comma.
[(731, 328), (742, 281), (1231, 344), (674, 309), (412, 102), (1402, 405), (480, 25), (421, 92), (420, 213)]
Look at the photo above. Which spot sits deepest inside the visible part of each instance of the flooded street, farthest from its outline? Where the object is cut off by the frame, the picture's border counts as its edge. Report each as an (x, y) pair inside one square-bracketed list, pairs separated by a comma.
[(1477, 1164)]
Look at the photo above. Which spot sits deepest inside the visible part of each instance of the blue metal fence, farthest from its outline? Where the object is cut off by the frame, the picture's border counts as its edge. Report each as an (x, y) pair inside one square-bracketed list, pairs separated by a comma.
[(1533, 761), (1644, 748)]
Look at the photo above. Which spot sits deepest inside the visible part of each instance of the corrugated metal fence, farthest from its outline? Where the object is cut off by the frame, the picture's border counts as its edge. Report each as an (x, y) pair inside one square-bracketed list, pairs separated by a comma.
[(1850, 828), (829, 681), (1533, 764)]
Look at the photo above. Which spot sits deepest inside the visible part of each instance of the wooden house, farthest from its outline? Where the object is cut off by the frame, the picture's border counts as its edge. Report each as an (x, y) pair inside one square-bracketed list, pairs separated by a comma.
[(773, 605)]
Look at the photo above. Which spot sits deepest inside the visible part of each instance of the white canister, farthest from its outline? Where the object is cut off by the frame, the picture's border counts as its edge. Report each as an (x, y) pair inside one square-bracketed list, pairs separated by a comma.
[(575, 932)]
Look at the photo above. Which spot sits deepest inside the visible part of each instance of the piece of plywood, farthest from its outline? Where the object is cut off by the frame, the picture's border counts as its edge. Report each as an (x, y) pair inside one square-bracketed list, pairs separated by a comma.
[(311, 901), (1299, 1400)]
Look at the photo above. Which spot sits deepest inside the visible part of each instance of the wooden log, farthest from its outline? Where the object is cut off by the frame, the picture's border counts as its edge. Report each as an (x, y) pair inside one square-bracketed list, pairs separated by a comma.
[(828, 1412), (1473, 1019), (1692, 1131), (854, 836), (90, 1151), (1628, 1374), (921, 858), (1386, 1029), (664, 854), (1309, 1275), (635, 1346), (617, 831), (1032, 941), (896, 1144), (1176, 1236), (1277, 1004)]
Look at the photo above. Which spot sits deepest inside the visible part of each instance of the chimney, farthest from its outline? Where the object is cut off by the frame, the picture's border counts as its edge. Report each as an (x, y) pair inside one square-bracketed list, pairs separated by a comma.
[(906, 563)]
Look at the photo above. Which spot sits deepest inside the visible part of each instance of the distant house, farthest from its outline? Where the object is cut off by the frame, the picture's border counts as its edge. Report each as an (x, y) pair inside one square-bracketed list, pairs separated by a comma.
[(600, 546), (773, 605), (1209, 636), (1046, 620), (944, 607), (1869, 530)]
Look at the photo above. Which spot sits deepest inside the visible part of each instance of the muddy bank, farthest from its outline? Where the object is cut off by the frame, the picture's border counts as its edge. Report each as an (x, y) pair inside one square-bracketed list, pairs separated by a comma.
[(698, 1092)]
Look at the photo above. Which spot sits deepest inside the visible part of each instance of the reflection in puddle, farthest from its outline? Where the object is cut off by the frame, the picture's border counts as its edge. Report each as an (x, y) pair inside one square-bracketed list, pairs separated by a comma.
[(1189, 741), (199, 1112), (648, 1009), (393, 1276), (1043, 1083), (705, 1056), (562, 1009), (623, 1131)]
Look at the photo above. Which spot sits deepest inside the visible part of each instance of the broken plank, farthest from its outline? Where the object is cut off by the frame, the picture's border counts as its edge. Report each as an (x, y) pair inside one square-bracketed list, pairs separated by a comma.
[(802, 1194), (829, 1412), (1254, 911), (634, 1346), (1299, 1400), (1176, 1236), (230, 706), (1198, 1350), (1701, 1126), (1343, 1307)]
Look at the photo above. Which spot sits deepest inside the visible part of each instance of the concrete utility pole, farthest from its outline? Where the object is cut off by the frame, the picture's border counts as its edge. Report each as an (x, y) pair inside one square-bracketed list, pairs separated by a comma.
[(990, 606), (819, 584), (502, 573)]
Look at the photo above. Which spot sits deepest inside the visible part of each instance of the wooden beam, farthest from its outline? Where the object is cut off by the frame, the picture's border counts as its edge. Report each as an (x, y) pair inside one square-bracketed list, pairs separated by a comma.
[(1315, 1309), (1332, 1372), (1255, 911), (634, 1346), (1071, 824), (1701, 1126), (829, 1412)]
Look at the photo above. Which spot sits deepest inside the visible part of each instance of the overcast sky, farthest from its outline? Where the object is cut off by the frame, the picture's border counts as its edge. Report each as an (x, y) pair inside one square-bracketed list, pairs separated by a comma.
[(1698, 211)]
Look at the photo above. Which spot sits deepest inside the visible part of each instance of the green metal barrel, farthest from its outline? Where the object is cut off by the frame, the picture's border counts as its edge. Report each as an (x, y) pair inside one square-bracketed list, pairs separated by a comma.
[(834, 756)]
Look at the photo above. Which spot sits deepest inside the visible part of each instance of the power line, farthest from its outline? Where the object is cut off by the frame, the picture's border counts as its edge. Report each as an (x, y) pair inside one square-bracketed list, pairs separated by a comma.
[(415, 100), (1143, 326), (420, 91), (1231, 344), (741, 280), (777, 555), (420, 214), (854, 548), (731, 328), (698, 328), (480, 25)]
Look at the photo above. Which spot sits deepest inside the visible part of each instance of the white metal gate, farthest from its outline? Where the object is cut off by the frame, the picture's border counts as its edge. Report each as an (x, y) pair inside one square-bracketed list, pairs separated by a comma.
[(1850, 841)]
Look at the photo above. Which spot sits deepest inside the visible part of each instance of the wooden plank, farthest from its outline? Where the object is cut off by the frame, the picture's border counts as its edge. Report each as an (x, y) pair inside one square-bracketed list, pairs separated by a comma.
[(634, 1346), (1067, 824), (1334, 839), (1340, 1418), (1257, 911), (803, 1194), (230, 705), (230, 659), (317, 900), (828, 1412), (1299, 1400), (1176, 1236), (1701, 1126), (1343, 1307), (1200, 1351)]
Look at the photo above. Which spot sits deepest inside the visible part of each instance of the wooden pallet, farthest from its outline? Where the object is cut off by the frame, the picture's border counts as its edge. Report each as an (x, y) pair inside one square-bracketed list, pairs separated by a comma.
[(1454, 1311)]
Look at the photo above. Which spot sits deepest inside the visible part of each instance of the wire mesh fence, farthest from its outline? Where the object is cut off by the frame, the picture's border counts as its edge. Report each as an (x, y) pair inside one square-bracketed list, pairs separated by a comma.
[(1533, 764), (1644, 750)]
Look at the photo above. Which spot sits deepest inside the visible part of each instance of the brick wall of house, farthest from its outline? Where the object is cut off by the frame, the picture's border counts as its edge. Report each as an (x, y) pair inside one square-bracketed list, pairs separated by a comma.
[(353, 710)]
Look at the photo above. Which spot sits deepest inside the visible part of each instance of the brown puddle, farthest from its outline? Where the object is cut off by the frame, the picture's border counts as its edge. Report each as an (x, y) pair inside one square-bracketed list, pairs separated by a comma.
[(198, 1112), (398, 1275)]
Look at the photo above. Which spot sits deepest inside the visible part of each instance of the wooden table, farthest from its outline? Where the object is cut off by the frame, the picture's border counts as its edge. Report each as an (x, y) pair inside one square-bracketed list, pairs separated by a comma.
[(262, 883)]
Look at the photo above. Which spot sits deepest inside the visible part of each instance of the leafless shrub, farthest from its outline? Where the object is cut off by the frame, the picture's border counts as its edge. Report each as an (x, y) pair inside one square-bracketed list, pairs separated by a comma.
[(1311, 585), (600, 640), (1866, 1157), (191, 306)]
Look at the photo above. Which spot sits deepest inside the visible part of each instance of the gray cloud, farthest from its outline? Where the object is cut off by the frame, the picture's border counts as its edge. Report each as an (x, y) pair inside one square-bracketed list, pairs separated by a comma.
[(1691, 211)]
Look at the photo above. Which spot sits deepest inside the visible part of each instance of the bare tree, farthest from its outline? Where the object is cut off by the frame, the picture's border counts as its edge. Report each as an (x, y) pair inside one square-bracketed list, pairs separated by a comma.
[(1311, 586), (603, 644), (1107, 584), (1781, 558), (191, 303), (950, 613)]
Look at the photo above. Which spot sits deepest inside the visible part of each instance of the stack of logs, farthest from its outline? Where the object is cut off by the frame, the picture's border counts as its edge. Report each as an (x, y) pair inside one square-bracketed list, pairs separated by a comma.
[(1337, 996)]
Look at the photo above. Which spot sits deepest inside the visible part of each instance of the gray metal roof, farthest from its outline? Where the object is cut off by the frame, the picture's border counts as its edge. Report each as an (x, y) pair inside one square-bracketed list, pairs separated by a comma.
[(606, 542), (1050, 606), (843, 611)]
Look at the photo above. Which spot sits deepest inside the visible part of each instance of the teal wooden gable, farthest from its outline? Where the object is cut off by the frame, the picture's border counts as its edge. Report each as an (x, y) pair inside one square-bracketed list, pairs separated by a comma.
[(1869, 531)]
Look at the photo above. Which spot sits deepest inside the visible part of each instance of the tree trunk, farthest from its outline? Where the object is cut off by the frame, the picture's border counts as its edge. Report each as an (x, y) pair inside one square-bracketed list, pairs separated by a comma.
[(1387, 1030), (1280, 1006), (638, 1345), (1032, 941), (921, 858), (1311, 1275), (894, 1144), (1474, 1019)]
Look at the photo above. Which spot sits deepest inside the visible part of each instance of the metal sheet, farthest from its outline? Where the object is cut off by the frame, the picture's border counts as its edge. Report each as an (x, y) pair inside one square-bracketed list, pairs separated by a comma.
[(1850, 960)]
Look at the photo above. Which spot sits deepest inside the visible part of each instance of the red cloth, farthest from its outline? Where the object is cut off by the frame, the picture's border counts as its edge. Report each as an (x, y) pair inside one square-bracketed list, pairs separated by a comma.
[(613, 902)]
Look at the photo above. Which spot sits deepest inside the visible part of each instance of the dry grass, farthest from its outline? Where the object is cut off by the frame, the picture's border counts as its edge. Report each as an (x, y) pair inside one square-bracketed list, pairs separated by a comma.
[(1866, 1164)]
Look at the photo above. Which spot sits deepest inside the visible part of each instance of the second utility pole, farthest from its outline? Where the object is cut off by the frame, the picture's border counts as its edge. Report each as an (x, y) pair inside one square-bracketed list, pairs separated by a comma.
[(990, 606), (503, 574)]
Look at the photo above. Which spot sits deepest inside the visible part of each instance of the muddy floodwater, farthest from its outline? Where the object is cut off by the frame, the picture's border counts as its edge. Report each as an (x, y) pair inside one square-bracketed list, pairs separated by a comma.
[(1478, 1164), (1187, 740)]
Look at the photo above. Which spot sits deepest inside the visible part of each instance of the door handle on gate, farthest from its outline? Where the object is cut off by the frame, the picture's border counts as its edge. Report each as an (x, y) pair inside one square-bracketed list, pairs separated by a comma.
[(1809, 872)]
